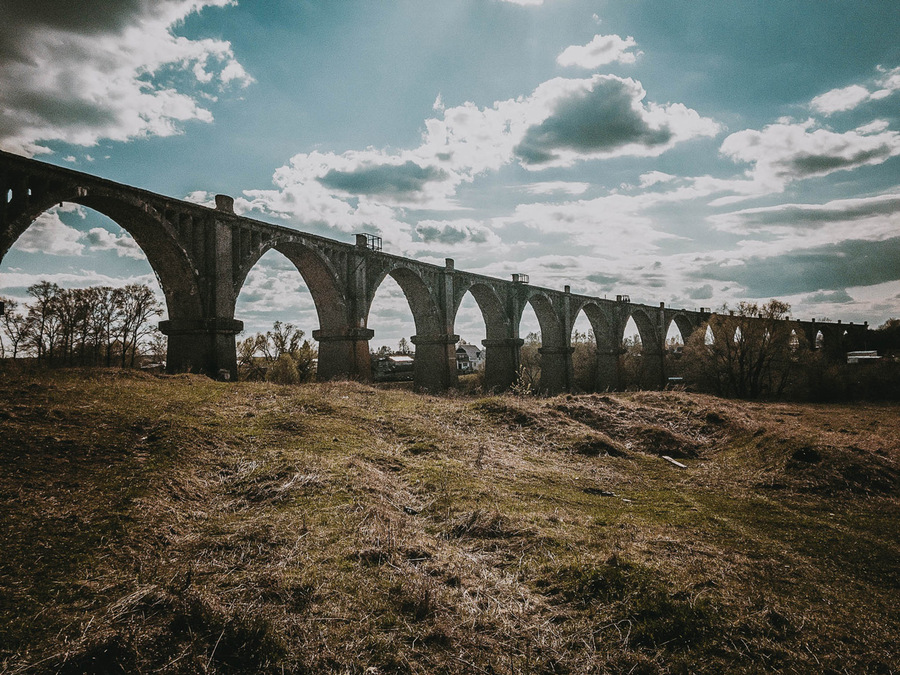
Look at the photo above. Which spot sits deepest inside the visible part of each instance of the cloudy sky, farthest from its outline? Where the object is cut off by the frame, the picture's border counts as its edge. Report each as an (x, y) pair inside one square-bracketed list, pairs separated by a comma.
[(693, 152)]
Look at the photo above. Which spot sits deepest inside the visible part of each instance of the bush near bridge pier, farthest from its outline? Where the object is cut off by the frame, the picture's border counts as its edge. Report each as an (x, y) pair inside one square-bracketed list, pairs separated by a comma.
[(280, 355)]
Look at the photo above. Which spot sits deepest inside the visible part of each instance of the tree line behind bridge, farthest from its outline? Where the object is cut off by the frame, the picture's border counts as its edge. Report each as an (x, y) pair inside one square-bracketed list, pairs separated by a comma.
[(96, 326), (750, 352)]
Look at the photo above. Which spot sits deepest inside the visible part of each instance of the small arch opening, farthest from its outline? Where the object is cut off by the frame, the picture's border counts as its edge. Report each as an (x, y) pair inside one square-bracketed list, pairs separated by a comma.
[(529, 358), (584, 353), (632, 356), (675, 341)]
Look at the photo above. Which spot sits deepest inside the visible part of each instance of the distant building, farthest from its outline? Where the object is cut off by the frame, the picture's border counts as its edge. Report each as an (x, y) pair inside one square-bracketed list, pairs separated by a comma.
[(393, 368), (469, 358)]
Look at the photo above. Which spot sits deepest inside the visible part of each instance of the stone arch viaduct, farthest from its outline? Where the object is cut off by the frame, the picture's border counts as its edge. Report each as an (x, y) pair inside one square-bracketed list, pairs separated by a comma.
[(202, 256)]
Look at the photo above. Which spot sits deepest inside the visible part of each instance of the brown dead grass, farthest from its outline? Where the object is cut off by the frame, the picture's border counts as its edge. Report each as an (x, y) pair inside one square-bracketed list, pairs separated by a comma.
[(178, 525)]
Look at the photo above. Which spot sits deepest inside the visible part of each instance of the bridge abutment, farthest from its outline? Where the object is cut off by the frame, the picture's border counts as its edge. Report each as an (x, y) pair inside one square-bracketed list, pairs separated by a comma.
[(344, 355)]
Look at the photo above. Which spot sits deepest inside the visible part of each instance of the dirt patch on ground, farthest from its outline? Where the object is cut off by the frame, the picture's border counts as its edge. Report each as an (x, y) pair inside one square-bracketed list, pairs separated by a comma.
[(595, 444), (506, 411), (659, 440)]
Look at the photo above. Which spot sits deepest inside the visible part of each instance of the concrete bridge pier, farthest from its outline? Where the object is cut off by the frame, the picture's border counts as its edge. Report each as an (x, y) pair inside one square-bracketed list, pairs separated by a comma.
[(653, 368), (556, 369), (501, 363), (608, 369), (203, 339), (435, 364), (202, 346), (344, 355)]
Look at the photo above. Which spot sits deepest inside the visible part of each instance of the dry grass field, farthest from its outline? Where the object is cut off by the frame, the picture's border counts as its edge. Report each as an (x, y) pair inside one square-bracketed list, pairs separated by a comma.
[(179, 525)]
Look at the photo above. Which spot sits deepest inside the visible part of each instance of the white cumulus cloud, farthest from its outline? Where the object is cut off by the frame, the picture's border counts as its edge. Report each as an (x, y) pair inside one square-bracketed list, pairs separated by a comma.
[(563, 121), (788, 151), (838, 100), (83, 72), (601, 50), (51, 236), (100, 239)]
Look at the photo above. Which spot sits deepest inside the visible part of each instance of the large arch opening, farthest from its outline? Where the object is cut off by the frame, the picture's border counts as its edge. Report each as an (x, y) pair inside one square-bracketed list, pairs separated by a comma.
[(391, 318), (553, 361), (94, 296), (643, 355), (480, 310), (607, 346), (149, 229), (279, 313)]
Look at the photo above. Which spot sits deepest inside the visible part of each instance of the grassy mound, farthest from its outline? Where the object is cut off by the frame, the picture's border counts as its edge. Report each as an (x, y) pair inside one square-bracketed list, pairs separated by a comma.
[(179, 525)]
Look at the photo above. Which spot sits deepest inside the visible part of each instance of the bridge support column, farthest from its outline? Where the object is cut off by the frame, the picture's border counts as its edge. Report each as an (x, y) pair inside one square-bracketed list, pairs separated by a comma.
[(435, 363), (344, 355), (501, 363), (556, 369), (653, 369), (202, 346), (607, 369)]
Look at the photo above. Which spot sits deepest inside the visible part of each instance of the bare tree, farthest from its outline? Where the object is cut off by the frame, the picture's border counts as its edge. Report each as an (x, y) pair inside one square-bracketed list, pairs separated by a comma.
[(71, 306), (529, 375), (584, 359), (157, 345), (135, 305), (15, 327), (103, 322), (754, 351), (284, 339), (251, 357), (44, 319)]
